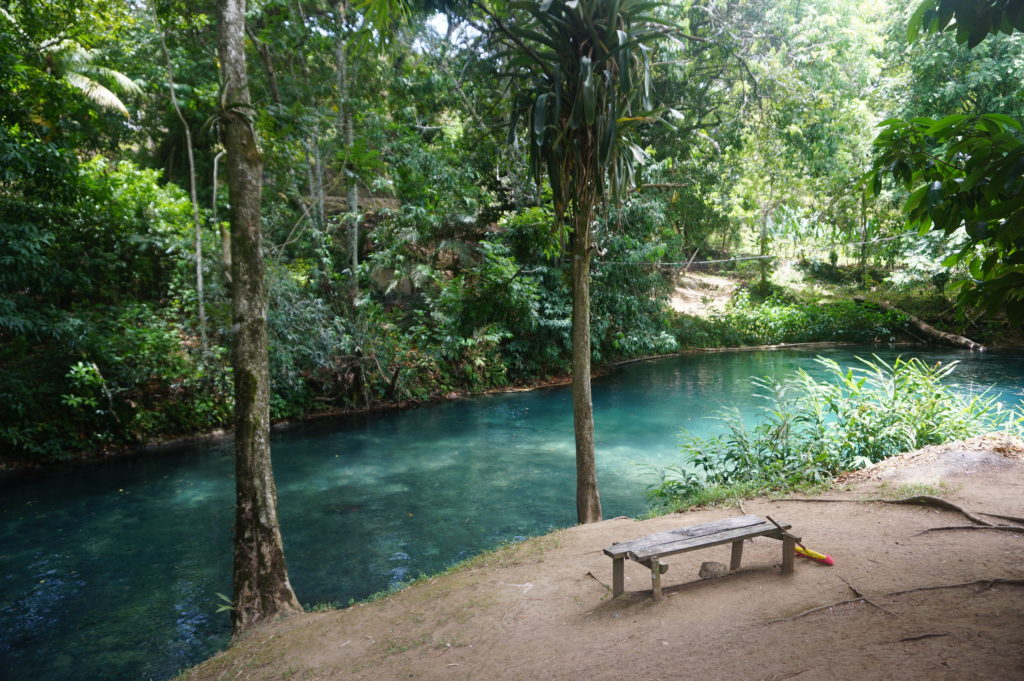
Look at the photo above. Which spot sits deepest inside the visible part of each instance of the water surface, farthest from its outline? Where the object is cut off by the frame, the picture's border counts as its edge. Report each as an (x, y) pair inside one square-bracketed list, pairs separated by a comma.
[(111, 571)]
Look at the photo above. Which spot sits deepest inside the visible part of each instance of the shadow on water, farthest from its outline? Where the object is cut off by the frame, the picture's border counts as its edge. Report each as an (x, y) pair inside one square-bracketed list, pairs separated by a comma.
[(111, 571)]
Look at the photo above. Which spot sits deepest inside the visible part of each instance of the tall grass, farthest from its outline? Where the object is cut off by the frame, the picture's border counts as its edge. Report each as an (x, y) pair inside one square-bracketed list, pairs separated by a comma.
[(810, 430)]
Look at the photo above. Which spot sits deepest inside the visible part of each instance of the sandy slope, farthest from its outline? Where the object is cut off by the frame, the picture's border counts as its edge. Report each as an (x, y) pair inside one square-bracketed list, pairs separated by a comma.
[(539, 610)]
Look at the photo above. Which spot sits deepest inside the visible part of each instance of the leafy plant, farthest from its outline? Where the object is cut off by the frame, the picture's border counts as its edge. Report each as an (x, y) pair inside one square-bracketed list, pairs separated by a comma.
[(810, 430)]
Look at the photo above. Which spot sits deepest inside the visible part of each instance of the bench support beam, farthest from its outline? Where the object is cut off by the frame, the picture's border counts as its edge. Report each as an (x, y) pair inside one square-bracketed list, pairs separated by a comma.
[(788, 553), (656, 579), (618, 576), (737, 555)]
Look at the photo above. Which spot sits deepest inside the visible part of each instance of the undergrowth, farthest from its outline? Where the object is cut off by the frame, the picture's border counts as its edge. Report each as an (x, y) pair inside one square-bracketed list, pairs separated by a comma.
[(780, 319), (811, 430)]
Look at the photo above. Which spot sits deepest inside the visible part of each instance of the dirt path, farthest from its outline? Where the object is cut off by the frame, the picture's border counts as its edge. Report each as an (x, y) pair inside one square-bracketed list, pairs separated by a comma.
[(701, 294), (540, 610)]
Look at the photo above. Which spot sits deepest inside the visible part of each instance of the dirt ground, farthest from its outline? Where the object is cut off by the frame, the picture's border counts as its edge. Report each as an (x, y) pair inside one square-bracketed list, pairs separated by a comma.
[(701, 294), (542, 609)]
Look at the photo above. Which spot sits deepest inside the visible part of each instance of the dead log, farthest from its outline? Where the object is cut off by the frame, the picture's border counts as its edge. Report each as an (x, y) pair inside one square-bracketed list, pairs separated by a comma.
[(928, 330)]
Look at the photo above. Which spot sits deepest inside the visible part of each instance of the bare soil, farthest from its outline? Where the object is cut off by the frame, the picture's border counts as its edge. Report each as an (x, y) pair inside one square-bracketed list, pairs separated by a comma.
[(542, 609), (701, 294)]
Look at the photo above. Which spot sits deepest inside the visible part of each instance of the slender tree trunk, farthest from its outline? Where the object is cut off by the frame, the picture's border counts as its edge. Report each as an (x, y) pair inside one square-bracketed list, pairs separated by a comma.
[(260, 576), (346, 133), (196, 221), (225, 234), (588, 500), (268, 65), (863, 240)]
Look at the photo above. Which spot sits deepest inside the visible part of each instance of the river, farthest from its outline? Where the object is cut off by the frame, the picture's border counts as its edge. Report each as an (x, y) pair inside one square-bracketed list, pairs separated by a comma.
[(112, 570)]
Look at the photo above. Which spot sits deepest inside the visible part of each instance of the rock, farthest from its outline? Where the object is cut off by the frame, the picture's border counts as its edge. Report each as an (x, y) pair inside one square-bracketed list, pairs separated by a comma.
[(711, 569)]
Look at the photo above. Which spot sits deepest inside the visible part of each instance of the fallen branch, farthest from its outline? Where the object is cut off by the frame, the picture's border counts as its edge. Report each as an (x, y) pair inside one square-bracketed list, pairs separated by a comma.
[(928, 330), (1001, 528), (591, 574)]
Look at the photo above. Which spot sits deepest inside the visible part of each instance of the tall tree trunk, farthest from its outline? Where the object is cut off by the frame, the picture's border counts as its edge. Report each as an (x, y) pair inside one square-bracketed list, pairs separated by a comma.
[(196, 221), (346, 133), (588, 501), (260, 576)]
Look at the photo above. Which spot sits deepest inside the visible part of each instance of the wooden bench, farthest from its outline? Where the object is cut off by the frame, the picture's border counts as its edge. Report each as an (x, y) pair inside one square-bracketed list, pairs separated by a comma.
[(649, 550)]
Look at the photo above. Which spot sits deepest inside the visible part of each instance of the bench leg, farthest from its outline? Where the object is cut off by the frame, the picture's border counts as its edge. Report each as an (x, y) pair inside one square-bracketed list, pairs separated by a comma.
[(618, 576), (788, 553), (656, 579), (737, 555)]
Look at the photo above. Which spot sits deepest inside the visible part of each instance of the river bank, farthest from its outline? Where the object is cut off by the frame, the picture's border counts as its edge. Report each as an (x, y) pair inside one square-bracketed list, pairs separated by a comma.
[(939, 604), (13, 469)]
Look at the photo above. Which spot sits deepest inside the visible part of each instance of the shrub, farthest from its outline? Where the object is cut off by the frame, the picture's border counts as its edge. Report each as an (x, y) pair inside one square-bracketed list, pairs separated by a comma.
[(811, 430), (780, 321)]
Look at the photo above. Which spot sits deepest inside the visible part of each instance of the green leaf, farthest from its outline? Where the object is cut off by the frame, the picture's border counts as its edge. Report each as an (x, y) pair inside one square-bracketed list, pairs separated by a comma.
[(945, 124), (1001, 119), (914, 200), (587, 91), (540, 117), (914, 26)]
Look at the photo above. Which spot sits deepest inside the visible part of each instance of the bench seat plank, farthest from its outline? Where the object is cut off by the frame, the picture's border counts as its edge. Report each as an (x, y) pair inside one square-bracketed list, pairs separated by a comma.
[(645, 553), (683, 533)]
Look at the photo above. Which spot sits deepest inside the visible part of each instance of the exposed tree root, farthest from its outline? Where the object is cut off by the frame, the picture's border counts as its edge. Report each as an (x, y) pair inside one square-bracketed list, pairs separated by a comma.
[(920, 500), (1000, 528), (1011, 518), (984, 583), (938, 502), (860, 594), (811, 611), (918, 637), (786, 675)]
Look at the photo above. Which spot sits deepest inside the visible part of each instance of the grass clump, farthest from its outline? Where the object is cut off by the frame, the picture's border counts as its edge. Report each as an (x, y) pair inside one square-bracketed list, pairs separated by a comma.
[(811, 430)]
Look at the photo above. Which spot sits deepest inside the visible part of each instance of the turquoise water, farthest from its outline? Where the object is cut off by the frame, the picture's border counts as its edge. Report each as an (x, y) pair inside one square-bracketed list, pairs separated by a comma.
[(110, 571)]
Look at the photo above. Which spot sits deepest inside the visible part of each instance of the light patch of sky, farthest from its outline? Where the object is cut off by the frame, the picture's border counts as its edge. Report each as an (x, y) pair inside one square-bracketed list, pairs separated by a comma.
[(438, 22)]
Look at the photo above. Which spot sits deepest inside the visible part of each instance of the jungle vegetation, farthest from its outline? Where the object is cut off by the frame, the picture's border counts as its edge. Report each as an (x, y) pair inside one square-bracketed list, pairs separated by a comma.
[(425, 194)]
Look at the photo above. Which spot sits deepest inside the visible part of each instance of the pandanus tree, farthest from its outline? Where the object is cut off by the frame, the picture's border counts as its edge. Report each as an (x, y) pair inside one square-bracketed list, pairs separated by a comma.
[(583, 70)]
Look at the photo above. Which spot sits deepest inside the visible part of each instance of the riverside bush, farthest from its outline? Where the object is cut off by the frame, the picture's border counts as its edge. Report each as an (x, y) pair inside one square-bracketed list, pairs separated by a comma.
[(810, 430), (777, 320)]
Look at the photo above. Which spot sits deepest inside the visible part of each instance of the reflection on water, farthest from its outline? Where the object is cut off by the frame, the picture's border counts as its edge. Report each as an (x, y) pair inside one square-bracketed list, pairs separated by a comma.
[(111, 571)]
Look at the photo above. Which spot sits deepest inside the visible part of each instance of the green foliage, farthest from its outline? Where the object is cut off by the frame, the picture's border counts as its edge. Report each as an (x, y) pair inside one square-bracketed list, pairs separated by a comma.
[(93, 254), (588, 64), (972, 21), (776, 320), (965, 173), (810, 430), (830, 273)]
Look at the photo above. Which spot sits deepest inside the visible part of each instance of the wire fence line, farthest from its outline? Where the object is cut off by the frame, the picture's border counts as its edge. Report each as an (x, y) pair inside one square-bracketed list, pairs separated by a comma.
[(749, 257)]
